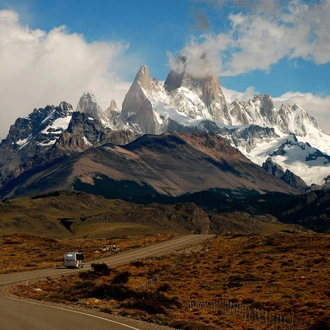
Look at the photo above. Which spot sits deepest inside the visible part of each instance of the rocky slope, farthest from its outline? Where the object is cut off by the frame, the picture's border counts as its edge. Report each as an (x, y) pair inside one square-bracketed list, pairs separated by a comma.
[(287, 176), (256, 127), (52, 133), (183, 104), (167, 164)]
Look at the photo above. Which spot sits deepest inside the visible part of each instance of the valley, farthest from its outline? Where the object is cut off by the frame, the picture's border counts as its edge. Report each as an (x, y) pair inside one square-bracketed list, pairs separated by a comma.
[(284, 276), (176, 160), (255, 264), (183, 148), (169, 139)]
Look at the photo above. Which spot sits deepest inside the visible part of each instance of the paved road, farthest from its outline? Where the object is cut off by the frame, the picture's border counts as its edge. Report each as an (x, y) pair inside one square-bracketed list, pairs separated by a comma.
[(20, 315)]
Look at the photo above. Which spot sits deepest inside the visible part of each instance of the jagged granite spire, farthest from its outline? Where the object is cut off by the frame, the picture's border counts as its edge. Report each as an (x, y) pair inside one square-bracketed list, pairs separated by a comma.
[(207, 88), (114, 116), (136, 107), (113, 105), (143, 77), (111, 109), (88, 104)]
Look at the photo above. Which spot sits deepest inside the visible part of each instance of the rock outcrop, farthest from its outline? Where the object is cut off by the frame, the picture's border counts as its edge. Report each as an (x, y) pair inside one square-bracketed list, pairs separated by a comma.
[(286, 176), (88, 105), (208, 89)]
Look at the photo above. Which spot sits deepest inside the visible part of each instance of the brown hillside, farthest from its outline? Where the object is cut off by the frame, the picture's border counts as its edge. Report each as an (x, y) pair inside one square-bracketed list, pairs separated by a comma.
[(168, 164), (73, 214)]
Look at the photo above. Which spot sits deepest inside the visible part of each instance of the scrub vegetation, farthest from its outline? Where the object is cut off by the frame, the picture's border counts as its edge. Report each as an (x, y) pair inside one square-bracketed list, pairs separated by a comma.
[(284, 274), (22, 252)]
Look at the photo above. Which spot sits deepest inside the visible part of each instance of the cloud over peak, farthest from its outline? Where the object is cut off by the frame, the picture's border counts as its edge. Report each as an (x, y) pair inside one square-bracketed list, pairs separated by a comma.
[(261, 33), (43, 68)]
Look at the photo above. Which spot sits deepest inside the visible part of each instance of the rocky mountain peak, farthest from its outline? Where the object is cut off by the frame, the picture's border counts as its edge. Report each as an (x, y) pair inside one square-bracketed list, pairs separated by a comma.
[(114, 116), (212, 90), (288, 177), (90, 96), (66, 107), (88, 104), (271, 167), (143, 77), (113, 106), (137, 108), (267, 108), (207, 88), (173, 80)]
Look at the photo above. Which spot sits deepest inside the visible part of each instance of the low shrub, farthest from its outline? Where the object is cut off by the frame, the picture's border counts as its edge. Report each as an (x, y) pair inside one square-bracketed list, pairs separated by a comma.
[(164, 287), (121, 278), (101, 269), (248, 301), (112, 291), (137, 263), (190, 325), (90, 275), (321, 324), (153, 302)]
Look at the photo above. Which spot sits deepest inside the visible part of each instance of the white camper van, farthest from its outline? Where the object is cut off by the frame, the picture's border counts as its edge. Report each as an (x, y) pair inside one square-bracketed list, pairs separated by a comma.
[(74, 259)]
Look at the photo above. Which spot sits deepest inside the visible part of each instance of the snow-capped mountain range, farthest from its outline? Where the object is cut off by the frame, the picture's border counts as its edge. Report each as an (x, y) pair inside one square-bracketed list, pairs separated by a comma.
[(287, 136), (257, 128)]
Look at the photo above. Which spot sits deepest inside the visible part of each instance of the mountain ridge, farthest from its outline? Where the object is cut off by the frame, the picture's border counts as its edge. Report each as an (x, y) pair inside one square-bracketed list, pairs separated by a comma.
[(183, 104), (168, 164)]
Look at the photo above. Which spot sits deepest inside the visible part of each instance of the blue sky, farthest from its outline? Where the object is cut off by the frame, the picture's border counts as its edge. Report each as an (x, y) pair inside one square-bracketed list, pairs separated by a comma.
[(55, 50)]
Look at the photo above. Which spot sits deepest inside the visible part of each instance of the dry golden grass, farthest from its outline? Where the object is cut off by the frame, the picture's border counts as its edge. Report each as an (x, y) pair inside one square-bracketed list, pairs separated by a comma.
[(21, 252), (283, 274)]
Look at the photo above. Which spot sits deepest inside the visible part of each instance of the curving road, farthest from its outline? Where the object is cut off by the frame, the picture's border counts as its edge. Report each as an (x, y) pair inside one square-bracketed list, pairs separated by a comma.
[(17, 314)]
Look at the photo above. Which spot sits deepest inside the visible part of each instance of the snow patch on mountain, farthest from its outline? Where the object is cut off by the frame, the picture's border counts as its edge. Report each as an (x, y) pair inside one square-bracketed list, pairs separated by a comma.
[(182, 108), (301, 158), (317, 138), (47, 143), (192, 102), (58, 126), (87, 142), (22, 143), (259, 128)]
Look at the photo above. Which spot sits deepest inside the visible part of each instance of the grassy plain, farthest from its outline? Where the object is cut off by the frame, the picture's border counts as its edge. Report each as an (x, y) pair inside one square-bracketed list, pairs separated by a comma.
[(77, 215), (283, 274), (20, 252)]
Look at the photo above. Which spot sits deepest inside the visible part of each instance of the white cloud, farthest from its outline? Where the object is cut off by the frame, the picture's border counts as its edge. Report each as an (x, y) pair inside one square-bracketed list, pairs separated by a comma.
[(232, 95), (262, 33), (39, 68), (201, 59)]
